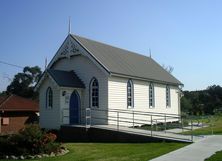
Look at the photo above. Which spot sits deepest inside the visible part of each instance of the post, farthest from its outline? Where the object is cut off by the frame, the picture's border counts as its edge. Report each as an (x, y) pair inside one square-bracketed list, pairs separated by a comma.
[(191, 130), (202, 121), (156, 125), (88, 118), (181, 119), (151, 125), (165, 122), (211, 124), (133, 119), (118, 120)]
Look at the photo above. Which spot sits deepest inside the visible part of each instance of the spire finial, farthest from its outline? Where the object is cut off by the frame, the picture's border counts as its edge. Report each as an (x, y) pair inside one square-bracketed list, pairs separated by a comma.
[(150, 53), (45, 62), (69, 25)]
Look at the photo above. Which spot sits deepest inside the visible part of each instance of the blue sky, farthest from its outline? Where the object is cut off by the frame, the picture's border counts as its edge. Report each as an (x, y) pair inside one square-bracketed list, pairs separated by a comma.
[(186, 35)]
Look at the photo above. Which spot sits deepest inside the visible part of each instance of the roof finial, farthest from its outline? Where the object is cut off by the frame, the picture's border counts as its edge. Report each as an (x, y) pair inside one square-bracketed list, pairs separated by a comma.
[(150, 53), (45, 62), (69, 25)]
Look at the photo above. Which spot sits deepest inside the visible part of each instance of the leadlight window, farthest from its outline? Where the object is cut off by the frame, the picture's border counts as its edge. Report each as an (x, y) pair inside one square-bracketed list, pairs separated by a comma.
[(49, 98), (168, 96), (151, 95), (129, 94), (94, 93)]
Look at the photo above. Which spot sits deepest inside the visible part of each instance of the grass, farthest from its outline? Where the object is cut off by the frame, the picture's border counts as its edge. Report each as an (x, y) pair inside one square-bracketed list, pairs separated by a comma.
[(115, 151), (216, 127), (160, 126), (216, 157)]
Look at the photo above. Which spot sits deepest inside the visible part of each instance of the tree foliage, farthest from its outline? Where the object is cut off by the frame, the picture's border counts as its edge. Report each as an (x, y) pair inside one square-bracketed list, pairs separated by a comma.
[(23, 83), (169, 68), (207, 101)]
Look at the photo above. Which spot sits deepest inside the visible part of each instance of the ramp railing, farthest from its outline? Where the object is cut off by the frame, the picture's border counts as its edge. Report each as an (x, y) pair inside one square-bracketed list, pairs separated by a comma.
[(145, 123)]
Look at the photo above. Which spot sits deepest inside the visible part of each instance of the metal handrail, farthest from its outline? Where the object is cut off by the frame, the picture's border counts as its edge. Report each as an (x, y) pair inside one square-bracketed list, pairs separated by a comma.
[(115, 118), (136, 112)]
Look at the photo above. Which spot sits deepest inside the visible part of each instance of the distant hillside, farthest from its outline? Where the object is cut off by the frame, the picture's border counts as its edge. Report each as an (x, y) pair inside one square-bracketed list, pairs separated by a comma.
[(202, 102)]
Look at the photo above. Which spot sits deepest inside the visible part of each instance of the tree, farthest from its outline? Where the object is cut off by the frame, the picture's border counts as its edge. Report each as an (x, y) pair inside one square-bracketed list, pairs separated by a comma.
[(23, 83), (186, 105), (169, 68), (203, 101)]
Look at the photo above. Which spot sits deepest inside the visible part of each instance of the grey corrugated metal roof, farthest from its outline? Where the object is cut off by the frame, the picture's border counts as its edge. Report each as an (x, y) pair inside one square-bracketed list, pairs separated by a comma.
[(123, 62), (66, 78)]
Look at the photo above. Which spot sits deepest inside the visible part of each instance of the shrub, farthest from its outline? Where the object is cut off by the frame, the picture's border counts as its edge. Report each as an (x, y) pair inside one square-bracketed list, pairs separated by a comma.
[(5, 145), (30, 140)]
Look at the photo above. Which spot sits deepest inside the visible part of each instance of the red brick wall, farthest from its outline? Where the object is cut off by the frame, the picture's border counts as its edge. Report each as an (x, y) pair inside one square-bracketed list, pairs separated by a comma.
[(17, 121)]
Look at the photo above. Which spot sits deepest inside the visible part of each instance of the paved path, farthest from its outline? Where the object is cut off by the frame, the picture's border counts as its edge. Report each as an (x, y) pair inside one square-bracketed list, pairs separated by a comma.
[(197, 151)]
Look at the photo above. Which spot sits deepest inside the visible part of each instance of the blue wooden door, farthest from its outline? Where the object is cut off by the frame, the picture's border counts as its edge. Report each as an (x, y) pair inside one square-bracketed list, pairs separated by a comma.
[(74, 105)]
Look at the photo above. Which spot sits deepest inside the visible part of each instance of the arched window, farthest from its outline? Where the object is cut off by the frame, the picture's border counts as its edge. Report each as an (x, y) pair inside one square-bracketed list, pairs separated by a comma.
[(49, 98), (130, 94), (168, 96), (151, 95), (94, 93)]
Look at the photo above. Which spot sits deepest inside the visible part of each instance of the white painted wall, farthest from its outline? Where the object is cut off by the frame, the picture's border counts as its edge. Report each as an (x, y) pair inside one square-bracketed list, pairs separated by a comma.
[(117, 95), (86, 70), (49, 118), (112, 95), (59, 114)]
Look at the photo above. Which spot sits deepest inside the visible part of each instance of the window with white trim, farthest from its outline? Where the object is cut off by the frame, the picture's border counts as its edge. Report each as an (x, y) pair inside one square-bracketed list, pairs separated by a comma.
[(151, 95), (49, 98), (130, 94), (168, 96), (94, 93)]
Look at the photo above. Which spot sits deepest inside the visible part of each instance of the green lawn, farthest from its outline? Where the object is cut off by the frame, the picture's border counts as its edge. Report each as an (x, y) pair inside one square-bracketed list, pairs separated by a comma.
[(215, 157), (216, 127), (115, 151)]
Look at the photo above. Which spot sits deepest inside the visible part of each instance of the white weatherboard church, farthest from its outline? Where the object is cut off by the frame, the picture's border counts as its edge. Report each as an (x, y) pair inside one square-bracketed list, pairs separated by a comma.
[(88, 74)]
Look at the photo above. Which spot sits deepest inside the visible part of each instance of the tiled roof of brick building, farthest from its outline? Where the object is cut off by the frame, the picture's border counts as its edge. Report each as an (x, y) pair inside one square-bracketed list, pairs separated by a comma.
[(17, 103)]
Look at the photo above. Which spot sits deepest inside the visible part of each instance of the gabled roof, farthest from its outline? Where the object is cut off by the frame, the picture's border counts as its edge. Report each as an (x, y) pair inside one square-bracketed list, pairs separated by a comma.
[(122, 62), (3, 98), (66, 78), (17, 103)]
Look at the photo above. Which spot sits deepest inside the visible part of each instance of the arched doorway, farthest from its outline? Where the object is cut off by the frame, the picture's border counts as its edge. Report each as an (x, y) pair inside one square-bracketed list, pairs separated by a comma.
[(74, 108)]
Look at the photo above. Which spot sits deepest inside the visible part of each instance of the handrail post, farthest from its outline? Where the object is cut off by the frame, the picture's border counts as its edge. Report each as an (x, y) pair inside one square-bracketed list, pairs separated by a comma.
[(88, 117), (181, 119), (151, 125), (211, 124), (62, 116), (156, 125), (202, 121), (191, 130), (133, 119), (118, 120), (165, 123)]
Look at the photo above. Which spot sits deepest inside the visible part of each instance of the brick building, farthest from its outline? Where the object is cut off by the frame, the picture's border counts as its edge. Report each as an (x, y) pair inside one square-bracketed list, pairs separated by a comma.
[(15, 112)]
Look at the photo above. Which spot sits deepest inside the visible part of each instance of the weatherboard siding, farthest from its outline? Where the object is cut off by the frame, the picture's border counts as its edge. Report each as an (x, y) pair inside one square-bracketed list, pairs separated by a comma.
[(112, 89), (49, 118), (86, 70), (117, 99)]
